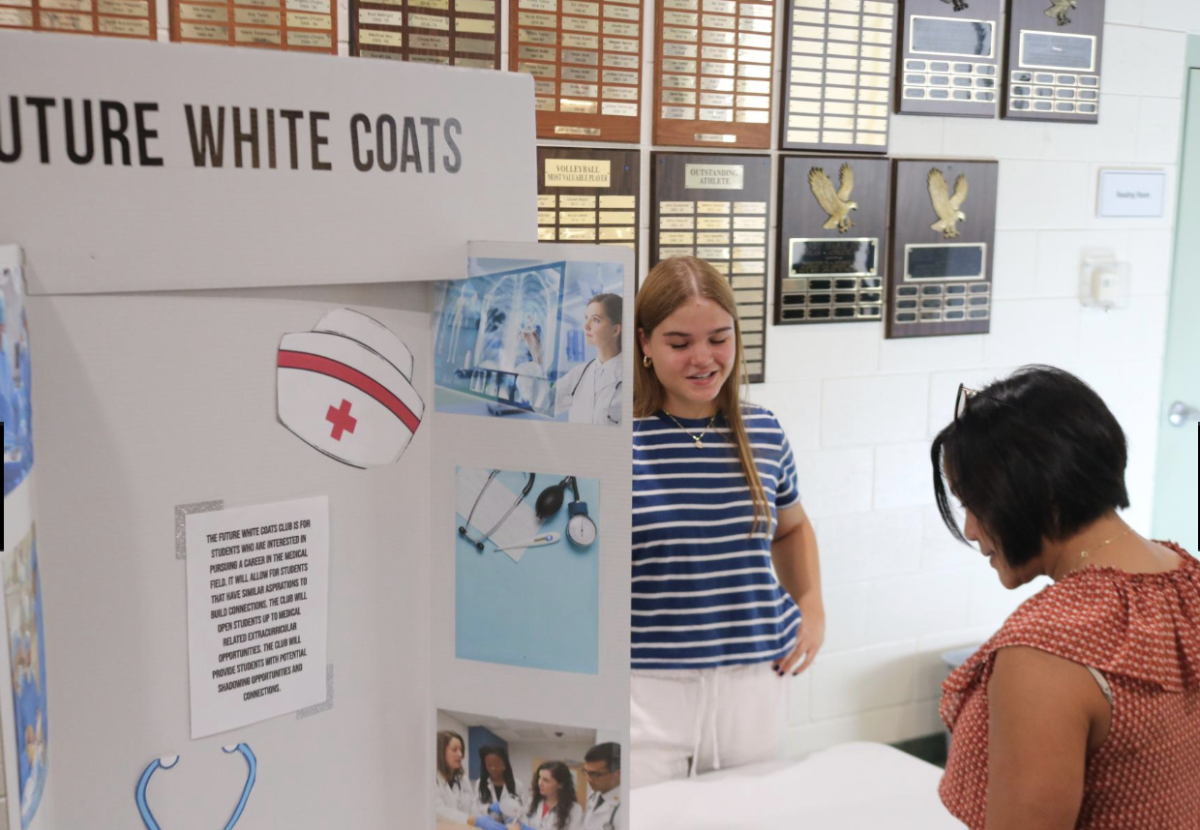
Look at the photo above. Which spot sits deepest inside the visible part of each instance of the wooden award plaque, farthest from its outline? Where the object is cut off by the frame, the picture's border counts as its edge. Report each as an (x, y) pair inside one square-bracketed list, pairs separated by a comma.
[(448, 32), (716, 207), (1053, 69), (941, 249), (833, 221), (589, 196), (136, 19), (951, 58), (586, 60), (712, 81), (838, 75), (299, 25)]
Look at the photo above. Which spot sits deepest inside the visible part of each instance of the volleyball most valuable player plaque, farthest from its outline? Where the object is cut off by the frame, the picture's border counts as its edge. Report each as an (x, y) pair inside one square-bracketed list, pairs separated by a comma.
[(942, 245), (833, 219), (299, 25), (838, 75), (716, 207), (586, 60), (712, 86), (1053, 69), (951, 59), (449, 32)]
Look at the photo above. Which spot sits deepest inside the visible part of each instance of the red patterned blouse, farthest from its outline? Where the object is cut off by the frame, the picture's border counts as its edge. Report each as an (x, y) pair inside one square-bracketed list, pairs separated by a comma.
[(1142, 633)]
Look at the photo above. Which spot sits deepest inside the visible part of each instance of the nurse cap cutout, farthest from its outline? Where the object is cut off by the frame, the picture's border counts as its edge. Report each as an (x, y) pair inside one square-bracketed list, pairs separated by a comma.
[(345, 388)]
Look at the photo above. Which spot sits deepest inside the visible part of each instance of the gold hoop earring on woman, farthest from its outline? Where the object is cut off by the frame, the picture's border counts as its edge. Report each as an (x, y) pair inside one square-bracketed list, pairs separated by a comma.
[(646, 361)]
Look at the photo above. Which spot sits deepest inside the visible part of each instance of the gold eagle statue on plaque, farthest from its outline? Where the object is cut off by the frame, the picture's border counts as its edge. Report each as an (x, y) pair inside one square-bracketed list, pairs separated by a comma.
[(834, 202), (945, 205), (1059, 9)]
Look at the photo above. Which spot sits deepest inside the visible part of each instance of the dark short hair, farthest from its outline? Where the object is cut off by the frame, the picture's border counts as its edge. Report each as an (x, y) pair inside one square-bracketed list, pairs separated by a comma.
[(1034, 456), (609, 753)]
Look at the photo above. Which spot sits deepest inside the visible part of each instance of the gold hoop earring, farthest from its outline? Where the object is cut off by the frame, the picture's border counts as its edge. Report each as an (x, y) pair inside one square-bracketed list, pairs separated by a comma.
[(646, 361)]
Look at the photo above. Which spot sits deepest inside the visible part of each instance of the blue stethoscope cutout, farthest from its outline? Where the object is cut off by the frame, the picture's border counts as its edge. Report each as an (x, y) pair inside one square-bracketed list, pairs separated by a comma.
[(161, 763)]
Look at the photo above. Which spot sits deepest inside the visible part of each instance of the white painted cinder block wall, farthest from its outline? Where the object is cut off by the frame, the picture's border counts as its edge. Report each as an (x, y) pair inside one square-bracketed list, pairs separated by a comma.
[(860, 410)]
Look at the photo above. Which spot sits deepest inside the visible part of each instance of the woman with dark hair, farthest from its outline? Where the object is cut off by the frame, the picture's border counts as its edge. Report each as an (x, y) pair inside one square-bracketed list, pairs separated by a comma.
[(1083, 711), (452, 796), (726, 583), (553, 806), (499, 796)]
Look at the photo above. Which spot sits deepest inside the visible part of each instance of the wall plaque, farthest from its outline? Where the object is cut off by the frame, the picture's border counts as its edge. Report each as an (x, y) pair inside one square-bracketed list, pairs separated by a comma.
[(590, 196), (111, 18), (449, 32), (833, 219), (838, 75), (586, 60), (951, 60), (943, 239), (712, 84), (301, 25), (1053, 69), (716, 207)]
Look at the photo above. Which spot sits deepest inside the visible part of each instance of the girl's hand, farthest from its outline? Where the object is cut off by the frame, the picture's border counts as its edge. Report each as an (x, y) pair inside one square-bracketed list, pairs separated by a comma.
[(808, 641)]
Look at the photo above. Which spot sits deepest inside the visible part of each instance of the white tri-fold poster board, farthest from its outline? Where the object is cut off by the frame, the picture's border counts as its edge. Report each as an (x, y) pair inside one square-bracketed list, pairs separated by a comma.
[(260, 342)]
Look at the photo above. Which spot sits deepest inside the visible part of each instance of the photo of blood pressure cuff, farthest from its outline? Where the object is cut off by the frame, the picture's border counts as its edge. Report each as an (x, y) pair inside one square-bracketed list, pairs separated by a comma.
[(345, 388)]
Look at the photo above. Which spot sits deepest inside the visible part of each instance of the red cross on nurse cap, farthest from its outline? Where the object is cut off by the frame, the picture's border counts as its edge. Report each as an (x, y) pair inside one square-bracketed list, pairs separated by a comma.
[(345, 388)]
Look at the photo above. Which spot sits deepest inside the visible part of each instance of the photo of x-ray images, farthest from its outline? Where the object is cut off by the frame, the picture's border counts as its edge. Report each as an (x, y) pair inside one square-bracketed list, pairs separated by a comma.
[(532, 339), (498, 773), (527, 569)]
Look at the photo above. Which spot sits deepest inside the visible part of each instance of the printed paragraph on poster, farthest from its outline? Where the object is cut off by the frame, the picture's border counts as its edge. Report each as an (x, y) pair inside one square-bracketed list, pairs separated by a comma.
[(257, 612)]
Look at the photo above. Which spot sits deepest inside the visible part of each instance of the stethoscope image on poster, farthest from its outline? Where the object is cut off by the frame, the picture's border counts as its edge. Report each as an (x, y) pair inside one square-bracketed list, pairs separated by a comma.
[(170, 762), (527, 568), (345, 389), (499, 773), (532, 339)]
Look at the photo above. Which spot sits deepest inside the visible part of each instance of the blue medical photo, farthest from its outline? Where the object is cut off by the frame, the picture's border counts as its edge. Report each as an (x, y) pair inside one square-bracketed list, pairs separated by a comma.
[(26, 643), (527, 569), (14, 381), (529, 339)]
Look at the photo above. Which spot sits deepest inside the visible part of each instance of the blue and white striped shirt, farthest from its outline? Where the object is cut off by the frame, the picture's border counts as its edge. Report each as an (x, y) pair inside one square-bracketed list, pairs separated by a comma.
[(704, 590)]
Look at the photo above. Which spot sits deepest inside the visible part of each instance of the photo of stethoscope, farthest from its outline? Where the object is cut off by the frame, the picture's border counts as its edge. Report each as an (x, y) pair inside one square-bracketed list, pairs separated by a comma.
[(170, 762), (581, 530)]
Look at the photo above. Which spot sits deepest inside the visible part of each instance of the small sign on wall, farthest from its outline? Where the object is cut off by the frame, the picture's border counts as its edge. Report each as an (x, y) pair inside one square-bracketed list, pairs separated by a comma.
[(1131, 193)]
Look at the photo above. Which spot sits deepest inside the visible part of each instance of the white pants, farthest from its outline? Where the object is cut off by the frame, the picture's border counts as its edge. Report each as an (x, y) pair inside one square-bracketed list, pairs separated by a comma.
[(696, 720)]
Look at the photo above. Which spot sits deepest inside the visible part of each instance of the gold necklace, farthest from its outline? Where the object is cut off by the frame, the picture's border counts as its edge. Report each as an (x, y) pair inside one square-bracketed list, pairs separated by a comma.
[(696, 438), (1084, 554)]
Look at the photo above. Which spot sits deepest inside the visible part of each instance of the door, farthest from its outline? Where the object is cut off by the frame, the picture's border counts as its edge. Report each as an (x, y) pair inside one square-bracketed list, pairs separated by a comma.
[(1176, 491)]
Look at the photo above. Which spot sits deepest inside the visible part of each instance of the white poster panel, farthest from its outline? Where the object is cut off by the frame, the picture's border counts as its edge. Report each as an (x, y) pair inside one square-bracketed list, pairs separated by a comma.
[(258, 587), (194, 167)]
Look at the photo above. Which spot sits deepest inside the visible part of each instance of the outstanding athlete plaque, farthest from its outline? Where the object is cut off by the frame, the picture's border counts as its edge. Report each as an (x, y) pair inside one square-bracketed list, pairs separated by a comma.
[(448, 32), (838, 75), (712, 84), (299, 25), (1054, 60), (715, 207), (585, 57), (587, 195), (112, 18), (833, 217), (943, 239), (951, 60)]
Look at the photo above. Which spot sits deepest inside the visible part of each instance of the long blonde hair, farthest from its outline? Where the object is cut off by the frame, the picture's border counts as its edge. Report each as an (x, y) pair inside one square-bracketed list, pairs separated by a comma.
[(668, 286)]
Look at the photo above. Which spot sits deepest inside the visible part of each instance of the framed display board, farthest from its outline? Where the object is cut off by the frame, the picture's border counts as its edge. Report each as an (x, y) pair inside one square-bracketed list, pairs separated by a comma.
[(112, 18), (951, 60), (586, 60), (1054, 49), (587, 195), (450, 32), (301, 25), (838, 75), (712, 82), (833, 219), (716, 207), (942, 246)]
